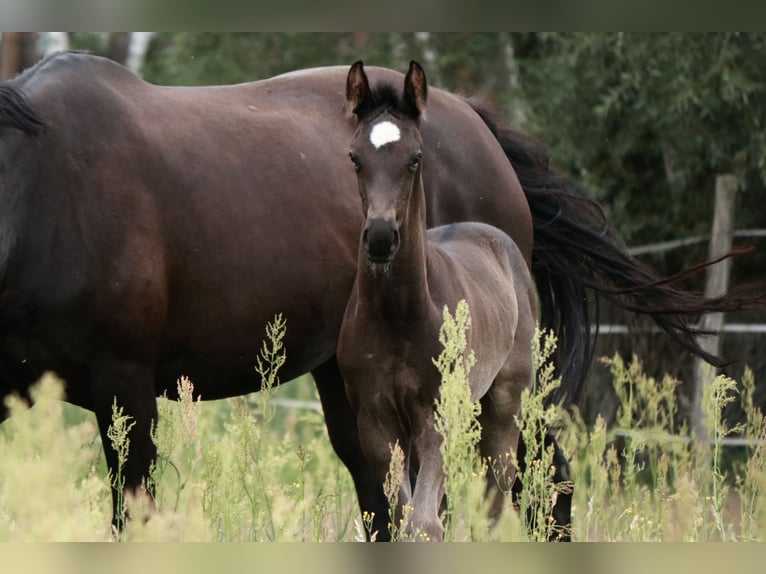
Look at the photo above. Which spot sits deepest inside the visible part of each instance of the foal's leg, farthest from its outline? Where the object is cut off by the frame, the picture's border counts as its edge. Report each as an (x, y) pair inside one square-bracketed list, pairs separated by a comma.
[(344, 436), (427, 498), (499, 408), (499, 437)]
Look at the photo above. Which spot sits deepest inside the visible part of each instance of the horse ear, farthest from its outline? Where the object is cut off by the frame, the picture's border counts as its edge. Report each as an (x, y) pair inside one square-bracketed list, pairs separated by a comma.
[(357, 87), (416, 87)]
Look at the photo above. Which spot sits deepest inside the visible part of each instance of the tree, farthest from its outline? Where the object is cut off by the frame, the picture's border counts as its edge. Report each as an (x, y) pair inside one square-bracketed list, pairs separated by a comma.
[(649, 120), (18, 50)]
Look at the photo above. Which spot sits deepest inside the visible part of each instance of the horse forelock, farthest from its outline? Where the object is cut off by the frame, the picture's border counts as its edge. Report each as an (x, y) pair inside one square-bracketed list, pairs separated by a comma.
[(380, 118), (388, 98)]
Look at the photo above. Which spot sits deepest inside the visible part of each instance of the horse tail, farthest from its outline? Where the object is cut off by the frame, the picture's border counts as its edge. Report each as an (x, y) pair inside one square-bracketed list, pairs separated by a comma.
[(16, 111), (578, 259)]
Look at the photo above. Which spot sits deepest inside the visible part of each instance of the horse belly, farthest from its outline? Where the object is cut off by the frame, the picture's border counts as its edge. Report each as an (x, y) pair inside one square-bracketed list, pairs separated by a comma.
[(251, 267)]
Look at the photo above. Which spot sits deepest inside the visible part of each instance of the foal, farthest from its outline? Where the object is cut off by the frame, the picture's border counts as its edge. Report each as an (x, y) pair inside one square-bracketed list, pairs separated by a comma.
[(405, 276)]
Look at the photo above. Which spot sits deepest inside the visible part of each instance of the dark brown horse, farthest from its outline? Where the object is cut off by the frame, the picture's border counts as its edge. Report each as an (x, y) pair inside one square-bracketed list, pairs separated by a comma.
[(148, 232), (405, 276)]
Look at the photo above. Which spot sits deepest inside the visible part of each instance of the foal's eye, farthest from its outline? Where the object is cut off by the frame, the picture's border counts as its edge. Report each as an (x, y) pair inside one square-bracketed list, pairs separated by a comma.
[(355, 160), (415, 161)]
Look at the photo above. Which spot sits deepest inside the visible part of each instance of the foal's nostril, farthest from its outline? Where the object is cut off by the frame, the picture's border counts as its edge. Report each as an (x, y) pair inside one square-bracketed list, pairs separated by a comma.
[(395, 241), (380, 239)]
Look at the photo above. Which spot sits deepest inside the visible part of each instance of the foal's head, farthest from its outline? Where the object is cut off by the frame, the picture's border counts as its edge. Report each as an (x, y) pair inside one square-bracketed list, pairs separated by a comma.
[(386, 152)]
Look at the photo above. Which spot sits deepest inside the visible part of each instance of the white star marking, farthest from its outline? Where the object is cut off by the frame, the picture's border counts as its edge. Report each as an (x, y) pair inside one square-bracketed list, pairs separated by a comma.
[(383, 133)]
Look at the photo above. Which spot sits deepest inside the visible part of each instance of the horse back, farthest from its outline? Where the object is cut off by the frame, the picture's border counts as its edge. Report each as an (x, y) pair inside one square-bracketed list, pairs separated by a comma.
[(483, 265), (476, 246)]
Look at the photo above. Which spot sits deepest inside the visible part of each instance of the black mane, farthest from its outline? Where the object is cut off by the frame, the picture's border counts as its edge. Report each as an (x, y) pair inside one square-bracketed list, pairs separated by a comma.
[(16, 112)]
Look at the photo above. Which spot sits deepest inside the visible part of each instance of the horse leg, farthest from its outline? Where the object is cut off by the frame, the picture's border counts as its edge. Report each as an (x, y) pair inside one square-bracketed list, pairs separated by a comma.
[(428, 497), (378, 439), (342, 428), (500, 406), (561, 511), (499, 436), (131, 385)]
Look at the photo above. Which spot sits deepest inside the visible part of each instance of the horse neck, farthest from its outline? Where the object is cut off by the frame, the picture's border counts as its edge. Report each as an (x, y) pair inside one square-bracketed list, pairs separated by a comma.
[(403, 290)]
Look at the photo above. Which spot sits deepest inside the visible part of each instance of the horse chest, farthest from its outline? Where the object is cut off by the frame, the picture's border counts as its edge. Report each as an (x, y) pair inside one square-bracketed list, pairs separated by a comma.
[(389, 371)]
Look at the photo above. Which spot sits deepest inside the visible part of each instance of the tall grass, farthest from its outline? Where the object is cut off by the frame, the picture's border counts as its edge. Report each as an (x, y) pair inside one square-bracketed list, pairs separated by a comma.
[(50, 484), (535, 421), (247, 469), (456, 420)]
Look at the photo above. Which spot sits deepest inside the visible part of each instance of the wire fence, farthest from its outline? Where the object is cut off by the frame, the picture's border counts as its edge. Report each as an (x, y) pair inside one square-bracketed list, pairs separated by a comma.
[(656, 437), (686, 241), (615, 329), (749, 328), (648, 436)]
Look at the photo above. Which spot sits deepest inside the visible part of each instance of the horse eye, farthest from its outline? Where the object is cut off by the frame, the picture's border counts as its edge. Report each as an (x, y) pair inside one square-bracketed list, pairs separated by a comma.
[(415, 161), (355, 160)]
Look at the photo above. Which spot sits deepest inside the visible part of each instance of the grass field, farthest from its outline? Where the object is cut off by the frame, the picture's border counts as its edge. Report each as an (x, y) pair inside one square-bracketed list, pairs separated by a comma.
[(247, 469)]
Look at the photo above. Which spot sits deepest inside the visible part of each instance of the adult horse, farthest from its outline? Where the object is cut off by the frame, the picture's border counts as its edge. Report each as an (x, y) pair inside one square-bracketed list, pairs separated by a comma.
[(405, 276), (148, 232)]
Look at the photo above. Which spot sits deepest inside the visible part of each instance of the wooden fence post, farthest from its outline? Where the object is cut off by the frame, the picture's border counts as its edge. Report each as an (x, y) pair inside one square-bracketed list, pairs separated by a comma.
[(717, 284)]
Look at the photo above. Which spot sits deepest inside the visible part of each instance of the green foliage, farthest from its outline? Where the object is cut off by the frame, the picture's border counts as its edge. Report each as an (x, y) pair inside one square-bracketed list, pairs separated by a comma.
[(535, 421), (647, 480), (215, 58), (397, 525), (230, 471), (751, 479), (50, 486), (118, 436), (467, 62), (648, 120), (717, 396), (456, 417)]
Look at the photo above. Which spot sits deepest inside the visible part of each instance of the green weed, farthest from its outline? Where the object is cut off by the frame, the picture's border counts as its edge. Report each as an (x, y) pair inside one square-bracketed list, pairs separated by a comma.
[(248, 469)]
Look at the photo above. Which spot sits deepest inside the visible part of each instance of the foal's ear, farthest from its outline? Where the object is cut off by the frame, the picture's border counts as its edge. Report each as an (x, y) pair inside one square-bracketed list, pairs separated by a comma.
[(416, 87), (358, 92)]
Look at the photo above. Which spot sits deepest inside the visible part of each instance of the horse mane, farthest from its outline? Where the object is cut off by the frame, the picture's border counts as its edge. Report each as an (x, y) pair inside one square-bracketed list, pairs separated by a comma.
[(15, 110)]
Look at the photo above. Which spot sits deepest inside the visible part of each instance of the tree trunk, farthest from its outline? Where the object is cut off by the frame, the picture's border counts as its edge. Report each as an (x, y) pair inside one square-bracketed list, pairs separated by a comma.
[(137, 50), (717, 284), (9, 55), (18, 50), (119, 43), (359, 40), (56, 42)]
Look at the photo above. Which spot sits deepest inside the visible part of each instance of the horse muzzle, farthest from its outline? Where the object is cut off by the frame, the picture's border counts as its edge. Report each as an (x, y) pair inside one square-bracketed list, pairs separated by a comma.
[(380, 240)]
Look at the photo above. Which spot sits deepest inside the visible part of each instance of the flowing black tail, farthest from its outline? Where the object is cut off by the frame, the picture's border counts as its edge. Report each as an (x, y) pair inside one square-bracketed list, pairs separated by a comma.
[(578, 258)]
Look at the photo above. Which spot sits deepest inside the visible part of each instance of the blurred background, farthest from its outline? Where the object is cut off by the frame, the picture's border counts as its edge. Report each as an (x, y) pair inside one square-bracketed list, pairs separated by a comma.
[(647, 122)]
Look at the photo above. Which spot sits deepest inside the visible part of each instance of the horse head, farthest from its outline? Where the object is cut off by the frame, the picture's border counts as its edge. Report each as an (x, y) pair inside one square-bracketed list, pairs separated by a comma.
[(386, 151)]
